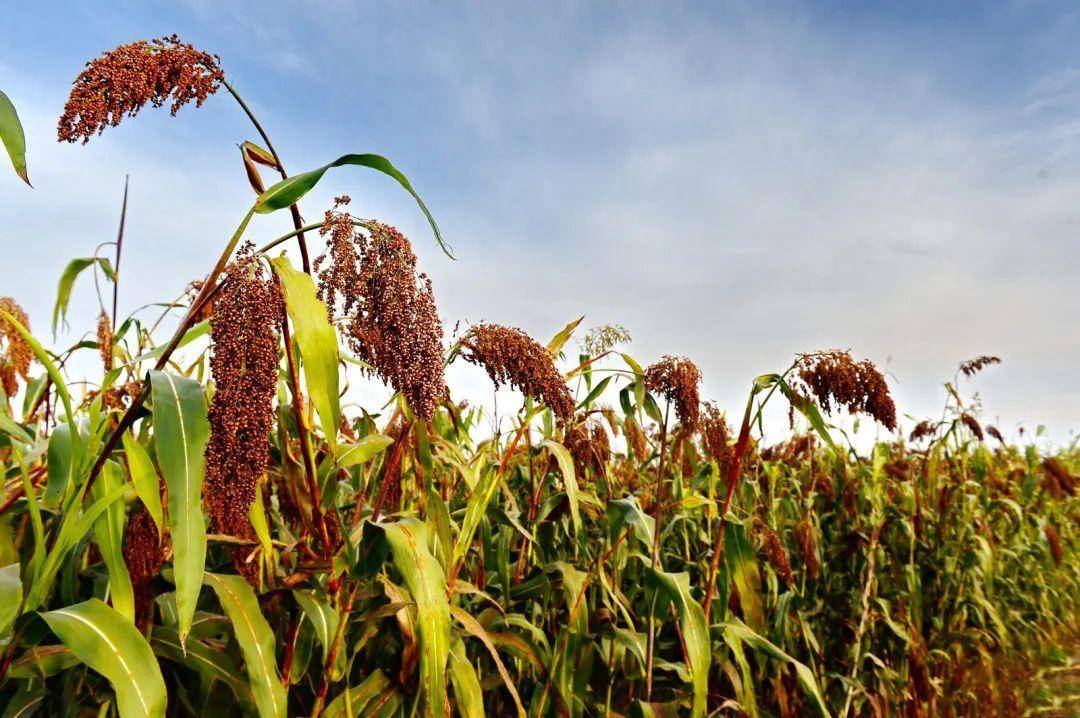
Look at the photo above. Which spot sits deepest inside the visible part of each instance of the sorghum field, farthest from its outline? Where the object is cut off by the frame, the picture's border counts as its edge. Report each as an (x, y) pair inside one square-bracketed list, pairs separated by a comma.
[(209, 526)]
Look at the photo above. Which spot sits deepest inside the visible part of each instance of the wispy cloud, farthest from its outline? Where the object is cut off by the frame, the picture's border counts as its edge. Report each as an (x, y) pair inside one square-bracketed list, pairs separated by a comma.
[(736, 183)]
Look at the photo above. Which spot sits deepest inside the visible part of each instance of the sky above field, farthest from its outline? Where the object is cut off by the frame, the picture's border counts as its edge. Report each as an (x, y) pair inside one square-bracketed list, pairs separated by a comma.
[(735, 182)]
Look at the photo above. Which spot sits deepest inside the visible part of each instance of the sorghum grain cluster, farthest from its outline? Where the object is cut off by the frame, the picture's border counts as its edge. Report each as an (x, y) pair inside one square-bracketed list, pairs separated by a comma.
[(122, 81)]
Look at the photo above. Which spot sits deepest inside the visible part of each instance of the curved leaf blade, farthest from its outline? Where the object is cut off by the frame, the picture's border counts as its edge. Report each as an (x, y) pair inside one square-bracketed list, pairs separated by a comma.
[(566, 466), (695, 633), (317, 341), (181, 431), (803, 674), (11, 134), (109, 536), (289, 191), (256, 641), (467, 693), (10, 597), (109, 644), (426, 582), (144, 478)]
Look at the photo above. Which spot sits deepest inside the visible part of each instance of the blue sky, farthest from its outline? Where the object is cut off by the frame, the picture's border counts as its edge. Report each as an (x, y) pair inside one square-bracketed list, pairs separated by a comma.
[(735, 182)]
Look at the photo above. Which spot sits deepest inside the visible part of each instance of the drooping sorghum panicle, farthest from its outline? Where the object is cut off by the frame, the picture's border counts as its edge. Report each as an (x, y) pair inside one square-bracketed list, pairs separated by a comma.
[(143, 552), (836, 380), (773, 549), (612, 420), (922, 430), (122, 81), (589, 445), (973, 425), (677, 379), (804, 536), (716, 435), (244, 363), (1059, 476), (511, 356), (1053, 541), (105, 340), (341, 277), (971, 367), (993, 431), (393, 323), (635, 438), (604, 338), (15, 353)]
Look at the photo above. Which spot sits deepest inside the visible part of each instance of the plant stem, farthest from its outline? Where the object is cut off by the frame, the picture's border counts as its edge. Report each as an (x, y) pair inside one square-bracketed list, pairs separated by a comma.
[(119, 247), (657, 514), (298, 222), (331, 656)]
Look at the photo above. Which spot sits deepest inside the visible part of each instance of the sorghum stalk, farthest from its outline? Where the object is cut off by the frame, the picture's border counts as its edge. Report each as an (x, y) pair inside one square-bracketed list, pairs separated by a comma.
[(657, 513), (732, 478)]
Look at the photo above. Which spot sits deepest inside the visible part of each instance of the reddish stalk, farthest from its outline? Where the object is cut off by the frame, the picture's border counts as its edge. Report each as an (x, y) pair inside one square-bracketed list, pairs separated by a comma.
[(741, 445), (390, 470)]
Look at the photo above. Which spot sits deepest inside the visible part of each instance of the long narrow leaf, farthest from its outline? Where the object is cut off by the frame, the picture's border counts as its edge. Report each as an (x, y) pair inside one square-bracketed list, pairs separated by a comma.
[(181, 432), (289, 191), (108, 643), (426, 582), (11, 134), (317, 341), (256, 641)]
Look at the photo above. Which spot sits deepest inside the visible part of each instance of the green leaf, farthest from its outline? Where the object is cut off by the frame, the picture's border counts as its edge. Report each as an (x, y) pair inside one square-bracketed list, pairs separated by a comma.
[(10, 597), (144, 478), (596, 391), (354, 701), (695, 633), (628, 511), (742, 565), (11, 133), (109, 536), (425, 580), (566, 466), (808, 409), (256, 641), (43, 662), (474, 512), (199, 330), (212, 663), (289, 191), (323, 618), (317, 341), (67, 283), (803, 674), (367, 448), (467, 693), (559, 340), (61, 465), (108, 643), (25, 703), (181, 432)]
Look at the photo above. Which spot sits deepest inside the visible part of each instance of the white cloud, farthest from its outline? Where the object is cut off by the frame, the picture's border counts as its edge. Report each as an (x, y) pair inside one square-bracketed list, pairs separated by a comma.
[(735, 187)]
